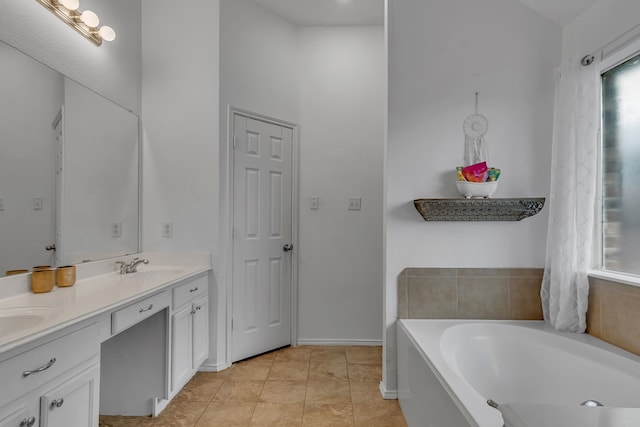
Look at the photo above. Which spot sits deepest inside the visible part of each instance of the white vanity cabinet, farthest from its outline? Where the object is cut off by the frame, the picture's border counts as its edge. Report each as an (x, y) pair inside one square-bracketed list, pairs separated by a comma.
[(20, 417), (53, 384), (74, 402), (189, 330)]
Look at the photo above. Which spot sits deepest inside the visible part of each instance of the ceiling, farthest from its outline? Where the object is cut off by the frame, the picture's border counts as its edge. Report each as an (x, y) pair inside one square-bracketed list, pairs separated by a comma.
[(371, 12), (328, 12), (560, 12)]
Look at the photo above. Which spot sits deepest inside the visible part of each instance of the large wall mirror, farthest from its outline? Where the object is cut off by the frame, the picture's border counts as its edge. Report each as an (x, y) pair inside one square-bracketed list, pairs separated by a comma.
[(69, 177)]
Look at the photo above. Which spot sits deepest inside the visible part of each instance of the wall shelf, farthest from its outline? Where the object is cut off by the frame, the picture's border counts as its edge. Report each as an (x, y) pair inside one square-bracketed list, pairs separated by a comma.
[(478, 209)]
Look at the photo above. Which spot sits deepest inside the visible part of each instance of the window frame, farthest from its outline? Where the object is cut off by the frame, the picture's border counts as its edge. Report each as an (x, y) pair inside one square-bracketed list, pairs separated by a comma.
[(607, 63)]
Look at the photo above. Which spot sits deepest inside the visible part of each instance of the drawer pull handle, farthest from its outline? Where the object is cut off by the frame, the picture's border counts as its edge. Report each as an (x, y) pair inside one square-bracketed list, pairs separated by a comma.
[(28, 422), (194, 289), (25, 374), (57, 403), (142, 310)]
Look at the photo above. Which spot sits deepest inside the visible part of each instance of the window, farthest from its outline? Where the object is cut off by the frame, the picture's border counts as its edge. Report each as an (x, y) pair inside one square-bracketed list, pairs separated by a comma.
[(621, 167)]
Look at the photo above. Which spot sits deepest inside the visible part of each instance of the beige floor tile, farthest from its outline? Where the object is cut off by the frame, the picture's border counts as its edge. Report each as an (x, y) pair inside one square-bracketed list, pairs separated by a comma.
[(327, 415), (241, 396), (239, 391), (328, 392), (202, 387), (320, 371), (365, 373), (365, 392), (329, 355), (289, 371), (177, 414), (381, 414), (248, 370), (154, 422), (293, 354), (227, 414), (264, 357), (364, 355), (277, 415), (119, 421), (283, 392)]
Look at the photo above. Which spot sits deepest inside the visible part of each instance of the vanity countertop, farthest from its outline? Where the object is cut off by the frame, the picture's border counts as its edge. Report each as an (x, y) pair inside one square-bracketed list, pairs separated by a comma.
[(89, 297)]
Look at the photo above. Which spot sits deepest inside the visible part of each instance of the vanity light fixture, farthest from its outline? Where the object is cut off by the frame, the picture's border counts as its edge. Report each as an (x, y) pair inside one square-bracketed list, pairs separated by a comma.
[(86, 22)]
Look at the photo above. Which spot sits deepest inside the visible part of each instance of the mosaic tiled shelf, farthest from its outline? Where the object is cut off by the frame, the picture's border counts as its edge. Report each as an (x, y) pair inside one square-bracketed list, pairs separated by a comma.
[(478, 209)]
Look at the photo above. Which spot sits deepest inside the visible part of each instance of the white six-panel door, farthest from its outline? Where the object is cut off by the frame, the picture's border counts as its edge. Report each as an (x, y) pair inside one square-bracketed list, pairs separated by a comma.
[(262, 236)]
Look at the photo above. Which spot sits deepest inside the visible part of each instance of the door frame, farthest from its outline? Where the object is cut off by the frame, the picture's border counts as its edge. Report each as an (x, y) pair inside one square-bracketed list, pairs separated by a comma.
[(58, 188), (227, 228)]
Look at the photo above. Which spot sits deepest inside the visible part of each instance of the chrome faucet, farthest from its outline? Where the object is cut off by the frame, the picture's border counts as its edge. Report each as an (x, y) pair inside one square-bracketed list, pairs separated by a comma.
[(132, 266)]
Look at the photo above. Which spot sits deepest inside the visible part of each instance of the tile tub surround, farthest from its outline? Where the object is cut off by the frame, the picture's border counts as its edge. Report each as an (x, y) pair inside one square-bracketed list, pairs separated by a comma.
[(470, 293), (614, 313), (296, 386)]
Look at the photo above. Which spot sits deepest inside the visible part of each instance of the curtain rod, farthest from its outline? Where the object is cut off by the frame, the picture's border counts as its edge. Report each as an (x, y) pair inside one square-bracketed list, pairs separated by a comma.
[(588, 59)]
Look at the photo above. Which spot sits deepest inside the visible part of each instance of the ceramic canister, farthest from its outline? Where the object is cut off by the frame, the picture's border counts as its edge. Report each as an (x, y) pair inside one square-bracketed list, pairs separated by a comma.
[(42, 280), (15, 272), (66, 276)]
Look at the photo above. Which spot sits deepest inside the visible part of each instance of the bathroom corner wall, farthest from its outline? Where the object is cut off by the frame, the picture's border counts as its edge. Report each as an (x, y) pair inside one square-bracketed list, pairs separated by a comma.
[(470, 293), (435, 67), (613, 314)]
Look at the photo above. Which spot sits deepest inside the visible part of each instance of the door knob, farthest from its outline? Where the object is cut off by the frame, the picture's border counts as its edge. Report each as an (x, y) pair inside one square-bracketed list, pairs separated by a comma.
[(50, 247), (287, 247)]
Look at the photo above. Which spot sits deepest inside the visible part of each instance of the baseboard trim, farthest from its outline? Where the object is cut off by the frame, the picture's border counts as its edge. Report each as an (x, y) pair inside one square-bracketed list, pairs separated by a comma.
[(388, 394), (340, 342), (213, 367), (159, 405)]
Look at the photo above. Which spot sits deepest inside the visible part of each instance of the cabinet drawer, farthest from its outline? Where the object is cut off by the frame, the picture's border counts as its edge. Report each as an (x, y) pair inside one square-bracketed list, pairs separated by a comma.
[(29, 370), (186, 292), (136, 312)]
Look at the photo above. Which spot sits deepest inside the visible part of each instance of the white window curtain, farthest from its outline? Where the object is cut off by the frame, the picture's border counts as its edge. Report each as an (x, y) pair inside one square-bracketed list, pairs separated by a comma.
[(574, 165)]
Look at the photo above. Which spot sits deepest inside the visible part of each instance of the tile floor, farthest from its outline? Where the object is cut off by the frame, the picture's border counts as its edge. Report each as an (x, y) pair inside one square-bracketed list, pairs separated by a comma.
[(295, 386)]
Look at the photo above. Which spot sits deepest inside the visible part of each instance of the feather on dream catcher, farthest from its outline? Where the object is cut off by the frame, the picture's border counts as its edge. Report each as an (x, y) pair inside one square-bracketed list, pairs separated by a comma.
[(475, 127)]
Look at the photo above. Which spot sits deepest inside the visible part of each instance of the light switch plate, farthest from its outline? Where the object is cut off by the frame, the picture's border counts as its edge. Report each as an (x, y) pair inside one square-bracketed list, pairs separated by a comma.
[(37, 203), (355, 203), (314, 202), (116, 229), (167, 229)]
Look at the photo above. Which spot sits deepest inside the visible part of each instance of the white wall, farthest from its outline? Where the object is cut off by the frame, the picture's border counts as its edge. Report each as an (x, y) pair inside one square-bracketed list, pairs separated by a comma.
[(329, 80), (112, 69), (180, 125), (438, 59), (258, 60), (342, 107), (599, 25)]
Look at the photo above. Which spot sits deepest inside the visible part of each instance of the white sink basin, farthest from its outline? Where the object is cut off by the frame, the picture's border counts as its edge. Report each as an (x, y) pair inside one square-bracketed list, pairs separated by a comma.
[(154, 272), (16, 319)]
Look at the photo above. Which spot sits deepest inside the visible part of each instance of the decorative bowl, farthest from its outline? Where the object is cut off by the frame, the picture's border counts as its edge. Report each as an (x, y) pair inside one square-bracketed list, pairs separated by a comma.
[(477, 189)]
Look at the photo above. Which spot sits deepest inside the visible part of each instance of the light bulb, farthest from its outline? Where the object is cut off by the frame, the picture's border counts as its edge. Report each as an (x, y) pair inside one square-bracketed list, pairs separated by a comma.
[(90, 18), (107, 33), (70, 4)]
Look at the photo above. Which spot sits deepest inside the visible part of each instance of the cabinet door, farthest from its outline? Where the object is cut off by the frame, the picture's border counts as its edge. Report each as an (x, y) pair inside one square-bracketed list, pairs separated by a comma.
[(74, 402), (200, 331), (20, 418), (181, 347)]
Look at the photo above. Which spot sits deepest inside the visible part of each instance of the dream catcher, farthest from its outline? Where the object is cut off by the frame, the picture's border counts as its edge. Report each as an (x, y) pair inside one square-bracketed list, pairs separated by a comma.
[(476, 148)]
